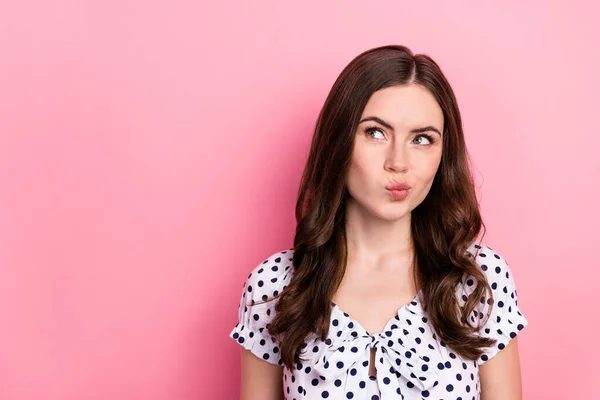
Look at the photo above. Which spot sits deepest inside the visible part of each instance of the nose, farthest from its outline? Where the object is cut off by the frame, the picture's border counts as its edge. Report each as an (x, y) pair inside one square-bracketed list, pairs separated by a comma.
[(397, 160)]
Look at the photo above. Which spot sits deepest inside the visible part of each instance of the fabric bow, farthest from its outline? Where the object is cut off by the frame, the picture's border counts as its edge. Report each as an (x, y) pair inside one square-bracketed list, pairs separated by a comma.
[(394, 353)]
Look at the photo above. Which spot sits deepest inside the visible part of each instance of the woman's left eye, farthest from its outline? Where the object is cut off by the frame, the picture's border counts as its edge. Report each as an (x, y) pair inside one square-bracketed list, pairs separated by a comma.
[(429, 138)]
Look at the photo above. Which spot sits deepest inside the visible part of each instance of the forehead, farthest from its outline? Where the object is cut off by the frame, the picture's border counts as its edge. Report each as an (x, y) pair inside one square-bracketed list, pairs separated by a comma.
[(405, 106)]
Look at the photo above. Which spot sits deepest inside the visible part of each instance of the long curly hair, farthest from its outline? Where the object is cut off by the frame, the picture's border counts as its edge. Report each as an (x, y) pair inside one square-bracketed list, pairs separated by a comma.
[(443, 225)]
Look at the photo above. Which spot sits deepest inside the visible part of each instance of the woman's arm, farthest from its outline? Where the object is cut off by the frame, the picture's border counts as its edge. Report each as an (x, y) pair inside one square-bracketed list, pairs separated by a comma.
[(260, 379), (500, 376)]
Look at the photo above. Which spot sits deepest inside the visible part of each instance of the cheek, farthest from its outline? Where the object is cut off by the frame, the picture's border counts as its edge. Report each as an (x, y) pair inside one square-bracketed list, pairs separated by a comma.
[(427, 171), (362, 172)]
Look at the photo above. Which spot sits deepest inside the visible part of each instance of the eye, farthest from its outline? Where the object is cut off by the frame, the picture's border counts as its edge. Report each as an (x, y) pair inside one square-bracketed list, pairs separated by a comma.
[(372, 129), (428, 137)]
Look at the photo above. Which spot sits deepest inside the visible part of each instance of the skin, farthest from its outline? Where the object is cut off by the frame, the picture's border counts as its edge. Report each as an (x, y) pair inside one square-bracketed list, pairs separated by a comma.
[(378, 279), (260, 380), (500, 376), (378, 228)]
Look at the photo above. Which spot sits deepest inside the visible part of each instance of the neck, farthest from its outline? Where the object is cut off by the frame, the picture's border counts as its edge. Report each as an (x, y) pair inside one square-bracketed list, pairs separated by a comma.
[(377, 243)]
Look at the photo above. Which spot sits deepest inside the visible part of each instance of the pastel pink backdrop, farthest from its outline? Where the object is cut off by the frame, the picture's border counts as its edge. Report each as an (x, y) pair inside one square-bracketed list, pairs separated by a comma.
[(150, 154)]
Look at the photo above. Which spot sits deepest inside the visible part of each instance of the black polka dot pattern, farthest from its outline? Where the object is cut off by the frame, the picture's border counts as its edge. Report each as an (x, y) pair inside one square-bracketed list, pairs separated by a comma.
[(411, 361), (265, 281), (506, 319)]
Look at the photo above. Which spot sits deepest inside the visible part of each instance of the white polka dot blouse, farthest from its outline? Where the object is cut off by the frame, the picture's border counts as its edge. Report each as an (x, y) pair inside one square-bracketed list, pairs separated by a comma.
[(411, 362)]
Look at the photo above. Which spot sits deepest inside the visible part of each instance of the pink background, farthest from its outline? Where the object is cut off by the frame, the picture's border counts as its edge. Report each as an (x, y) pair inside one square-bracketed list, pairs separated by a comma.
[(150, 154)]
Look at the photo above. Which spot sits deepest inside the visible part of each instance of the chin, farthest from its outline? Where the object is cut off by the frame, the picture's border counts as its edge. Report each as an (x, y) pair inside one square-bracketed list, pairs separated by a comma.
[(392, 212)]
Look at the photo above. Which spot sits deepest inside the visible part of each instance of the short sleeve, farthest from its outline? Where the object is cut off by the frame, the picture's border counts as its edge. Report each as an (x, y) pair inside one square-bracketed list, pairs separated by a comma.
[(506, 319), (263, 283)]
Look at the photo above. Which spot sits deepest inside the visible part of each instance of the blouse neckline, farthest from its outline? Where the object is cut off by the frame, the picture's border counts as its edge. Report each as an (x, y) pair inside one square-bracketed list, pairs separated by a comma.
[(412, 306)]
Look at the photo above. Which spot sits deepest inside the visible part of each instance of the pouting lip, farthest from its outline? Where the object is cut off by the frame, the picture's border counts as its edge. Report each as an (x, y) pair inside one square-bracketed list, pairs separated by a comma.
[(398, 186)]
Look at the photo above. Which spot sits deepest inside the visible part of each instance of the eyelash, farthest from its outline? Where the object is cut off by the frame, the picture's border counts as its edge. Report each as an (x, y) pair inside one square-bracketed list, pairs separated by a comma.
[(370, 129)]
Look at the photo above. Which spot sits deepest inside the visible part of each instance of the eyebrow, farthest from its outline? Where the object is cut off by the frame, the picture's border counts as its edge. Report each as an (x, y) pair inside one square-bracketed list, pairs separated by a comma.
[(390, 127)]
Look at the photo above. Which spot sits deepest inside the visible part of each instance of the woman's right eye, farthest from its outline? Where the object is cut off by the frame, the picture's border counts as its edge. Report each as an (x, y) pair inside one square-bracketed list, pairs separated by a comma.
[(370, 131)]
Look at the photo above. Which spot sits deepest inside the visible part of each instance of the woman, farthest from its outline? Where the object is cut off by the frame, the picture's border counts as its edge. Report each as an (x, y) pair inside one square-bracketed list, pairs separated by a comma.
[(385, 294)]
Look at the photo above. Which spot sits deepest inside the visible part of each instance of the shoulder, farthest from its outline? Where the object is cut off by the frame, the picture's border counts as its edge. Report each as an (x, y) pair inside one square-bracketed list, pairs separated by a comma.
[(494, 266), (505, 317), (265, 281), (270, 277), (498, 276)]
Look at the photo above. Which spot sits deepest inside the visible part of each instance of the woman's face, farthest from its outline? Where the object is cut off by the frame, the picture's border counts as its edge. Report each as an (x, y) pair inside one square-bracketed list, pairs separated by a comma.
[(387, 150)]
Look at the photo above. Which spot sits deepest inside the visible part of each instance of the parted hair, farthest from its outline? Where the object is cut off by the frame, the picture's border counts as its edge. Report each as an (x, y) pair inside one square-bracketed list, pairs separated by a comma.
[(443, 225)]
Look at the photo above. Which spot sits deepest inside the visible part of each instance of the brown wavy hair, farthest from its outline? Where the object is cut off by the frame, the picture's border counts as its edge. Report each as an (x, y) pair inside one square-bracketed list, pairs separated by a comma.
[(443, 225)]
